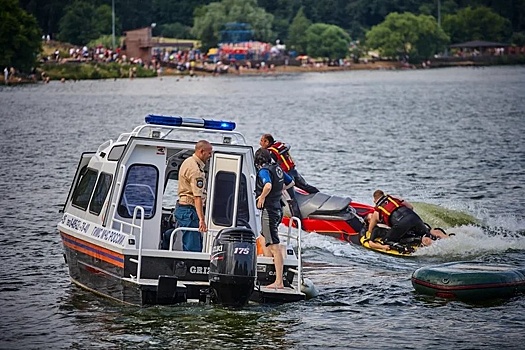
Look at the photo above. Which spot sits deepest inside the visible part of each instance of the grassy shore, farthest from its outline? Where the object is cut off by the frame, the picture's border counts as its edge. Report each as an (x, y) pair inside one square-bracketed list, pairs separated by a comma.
[(76, 70), (93, 70)]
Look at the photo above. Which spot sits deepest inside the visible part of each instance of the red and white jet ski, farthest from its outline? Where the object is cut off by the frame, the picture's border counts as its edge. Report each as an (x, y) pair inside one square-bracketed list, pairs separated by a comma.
[(334, 216)]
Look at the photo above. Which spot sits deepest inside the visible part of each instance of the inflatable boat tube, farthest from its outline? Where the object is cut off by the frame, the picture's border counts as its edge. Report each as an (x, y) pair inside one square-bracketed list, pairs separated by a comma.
[(469, 281)]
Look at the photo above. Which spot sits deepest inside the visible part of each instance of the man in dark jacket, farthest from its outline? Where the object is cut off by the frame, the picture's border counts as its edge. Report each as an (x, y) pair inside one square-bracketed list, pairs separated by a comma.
[(271, 181)]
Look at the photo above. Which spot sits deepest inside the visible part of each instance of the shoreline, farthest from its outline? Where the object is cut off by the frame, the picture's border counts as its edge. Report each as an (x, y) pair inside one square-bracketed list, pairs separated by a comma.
[(280, 70)]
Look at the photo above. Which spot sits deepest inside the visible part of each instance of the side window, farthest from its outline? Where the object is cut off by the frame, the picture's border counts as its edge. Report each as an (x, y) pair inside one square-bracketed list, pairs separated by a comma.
[(171, 188), (140, 189), (243, 211), (222, 211), (84, 189), (101, 192), (116, 152), (223, 200)]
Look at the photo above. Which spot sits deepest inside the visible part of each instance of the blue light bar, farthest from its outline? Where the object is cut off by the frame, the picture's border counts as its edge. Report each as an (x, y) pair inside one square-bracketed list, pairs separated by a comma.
[(189, 122), (163, 120), (218, 124)]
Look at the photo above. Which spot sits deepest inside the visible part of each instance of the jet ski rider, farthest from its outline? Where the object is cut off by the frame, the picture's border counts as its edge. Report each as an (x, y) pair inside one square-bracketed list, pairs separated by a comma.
[(396, 213), (280, 153)]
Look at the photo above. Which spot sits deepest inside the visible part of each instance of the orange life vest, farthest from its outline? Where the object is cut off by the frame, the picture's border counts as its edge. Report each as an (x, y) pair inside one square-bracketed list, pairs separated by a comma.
[(386, 206), (282, 155)]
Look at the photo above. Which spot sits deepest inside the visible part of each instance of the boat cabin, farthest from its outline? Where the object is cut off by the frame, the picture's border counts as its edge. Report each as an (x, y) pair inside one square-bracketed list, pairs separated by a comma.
[(131, 184), (117, 227)]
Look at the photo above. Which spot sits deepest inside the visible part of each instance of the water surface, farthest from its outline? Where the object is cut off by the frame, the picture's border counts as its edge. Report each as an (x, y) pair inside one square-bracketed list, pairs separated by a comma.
[(452, 137)]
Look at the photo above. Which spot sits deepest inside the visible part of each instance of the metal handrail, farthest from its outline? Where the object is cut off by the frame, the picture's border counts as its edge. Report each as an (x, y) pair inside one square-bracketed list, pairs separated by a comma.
[(132, 225), (299, 250), (178, 229)]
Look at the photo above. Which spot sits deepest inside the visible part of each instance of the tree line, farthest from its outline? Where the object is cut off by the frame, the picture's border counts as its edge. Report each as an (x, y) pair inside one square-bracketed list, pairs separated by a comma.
[(177, 17), (316, 27)]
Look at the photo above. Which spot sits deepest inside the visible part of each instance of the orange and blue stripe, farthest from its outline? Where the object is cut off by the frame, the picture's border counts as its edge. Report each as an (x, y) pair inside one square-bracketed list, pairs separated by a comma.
[(93, 250)]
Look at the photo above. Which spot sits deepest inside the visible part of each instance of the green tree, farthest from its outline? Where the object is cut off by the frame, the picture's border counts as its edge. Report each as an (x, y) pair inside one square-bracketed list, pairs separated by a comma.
[(83, 23), (518, 39), (47, 13), (175, 11), (103, 20), (20, 37), (327, 40), (297, 32), (480, 23), (283, 12), (407, 35), (176, 30), (210, 20), (78, 26)]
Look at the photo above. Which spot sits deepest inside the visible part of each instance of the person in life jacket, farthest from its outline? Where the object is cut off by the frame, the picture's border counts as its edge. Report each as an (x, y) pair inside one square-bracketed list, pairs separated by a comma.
[(280, 153), (270, 184), (399, 215), (378, 235)]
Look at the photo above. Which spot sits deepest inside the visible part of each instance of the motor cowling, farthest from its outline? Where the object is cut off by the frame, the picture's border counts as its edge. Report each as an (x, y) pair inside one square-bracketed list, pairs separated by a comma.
[(233, 266)]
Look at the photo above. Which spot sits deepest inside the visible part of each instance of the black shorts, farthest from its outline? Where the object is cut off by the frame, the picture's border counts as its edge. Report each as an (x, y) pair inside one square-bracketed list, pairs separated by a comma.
[(271, 219), (404, 220)]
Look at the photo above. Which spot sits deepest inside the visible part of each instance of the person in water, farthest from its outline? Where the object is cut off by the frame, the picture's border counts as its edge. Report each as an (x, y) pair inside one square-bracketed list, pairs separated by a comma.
[(280, 153), (270, 183), (396, 213), (376, 237)]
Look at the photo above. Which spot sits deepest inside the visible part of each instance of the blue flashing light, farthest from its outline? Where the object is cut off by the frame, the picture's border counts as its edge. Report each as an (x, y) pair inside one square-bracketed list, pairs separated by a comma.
[(219, 125), (163, 120), (190, 122)]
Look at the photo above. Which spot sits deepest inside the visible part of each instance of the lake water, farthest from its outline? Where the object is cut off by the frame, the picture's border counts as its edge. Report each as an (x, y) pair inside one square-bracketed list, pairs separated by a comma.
[(452, 137)]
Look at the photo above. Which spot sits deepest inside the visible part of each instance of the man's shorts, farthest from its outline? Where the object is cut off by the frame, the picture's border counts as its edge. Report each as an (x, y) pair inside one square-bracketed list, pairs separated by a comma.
[(271, 219)]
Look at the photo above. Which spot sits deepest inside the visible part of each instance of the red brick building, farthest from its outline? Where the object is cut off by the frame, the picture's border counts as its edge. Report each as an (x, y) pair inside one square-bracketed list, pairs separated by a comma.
[(138, 44)]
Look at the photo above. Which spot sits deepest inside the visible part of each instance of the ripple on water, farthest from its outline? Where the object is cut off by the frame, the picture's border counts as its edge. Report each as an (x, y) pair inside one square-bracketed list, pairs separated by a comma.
[(451, 137)]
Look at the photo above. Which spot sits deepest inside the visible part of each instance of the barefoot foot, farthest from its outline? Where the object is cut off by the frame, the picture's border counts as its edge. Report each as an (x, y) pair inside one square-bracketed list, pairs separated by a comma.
[(275, 286)]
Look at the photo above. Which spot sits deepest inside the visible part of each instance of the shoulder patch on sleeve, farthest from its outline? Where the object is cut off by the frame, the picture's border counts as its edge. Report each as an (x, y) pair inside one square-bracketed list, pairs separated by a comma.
[(279, 171), (199, 182)]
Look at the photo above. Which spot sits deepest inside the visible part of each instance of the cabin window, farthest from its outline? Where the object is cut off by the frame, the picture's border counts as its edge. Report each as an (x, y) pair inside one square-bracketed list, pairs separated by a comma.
[(84, 189), (116, 152), (101, 192), (140, 189), (223, 200), (171, 190)]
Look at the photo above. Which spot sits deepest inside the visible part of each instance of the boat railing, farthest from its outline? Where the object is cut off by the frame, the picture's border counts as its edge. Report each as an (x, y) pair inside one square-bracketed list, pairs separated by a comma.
[(183, 133), (138, 214), (178, 229), (104, 146), (291, 236)]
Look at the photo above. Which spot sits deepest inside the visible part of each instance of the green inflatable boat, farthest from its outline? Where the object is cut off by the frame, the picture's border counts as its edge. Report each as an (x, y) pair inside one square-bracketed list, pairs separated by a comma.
[(470, 281)]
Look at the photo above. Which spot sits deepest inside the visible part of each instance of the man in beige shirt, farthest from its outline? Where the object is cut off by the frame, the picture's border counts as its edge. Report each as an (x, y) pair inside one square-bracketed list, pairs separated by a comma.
[(192, 195)]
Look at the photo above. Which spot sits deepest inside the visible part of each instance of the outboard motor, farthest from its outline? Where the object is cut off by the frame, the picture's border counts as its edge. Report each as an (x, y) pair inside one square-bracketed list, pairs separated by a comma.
[(233, 266)]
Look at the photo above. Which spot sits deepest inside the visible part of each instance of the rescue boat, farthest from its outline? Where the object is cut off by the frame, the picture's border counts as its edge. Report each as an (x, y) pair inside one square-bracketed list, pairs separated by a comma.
[(120, 204)]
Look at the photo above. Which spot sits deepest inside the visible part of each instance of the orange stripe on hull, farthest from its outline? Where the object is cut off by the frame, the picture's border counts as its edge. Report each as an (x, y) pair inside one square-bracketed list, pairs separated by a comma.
[(93, 250)]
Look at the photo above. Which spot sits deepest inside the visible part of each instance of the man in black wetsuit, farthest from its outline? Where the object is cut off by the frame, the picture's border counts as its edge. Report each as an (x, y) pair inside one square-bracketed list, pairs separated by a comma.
[(396, 213)]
